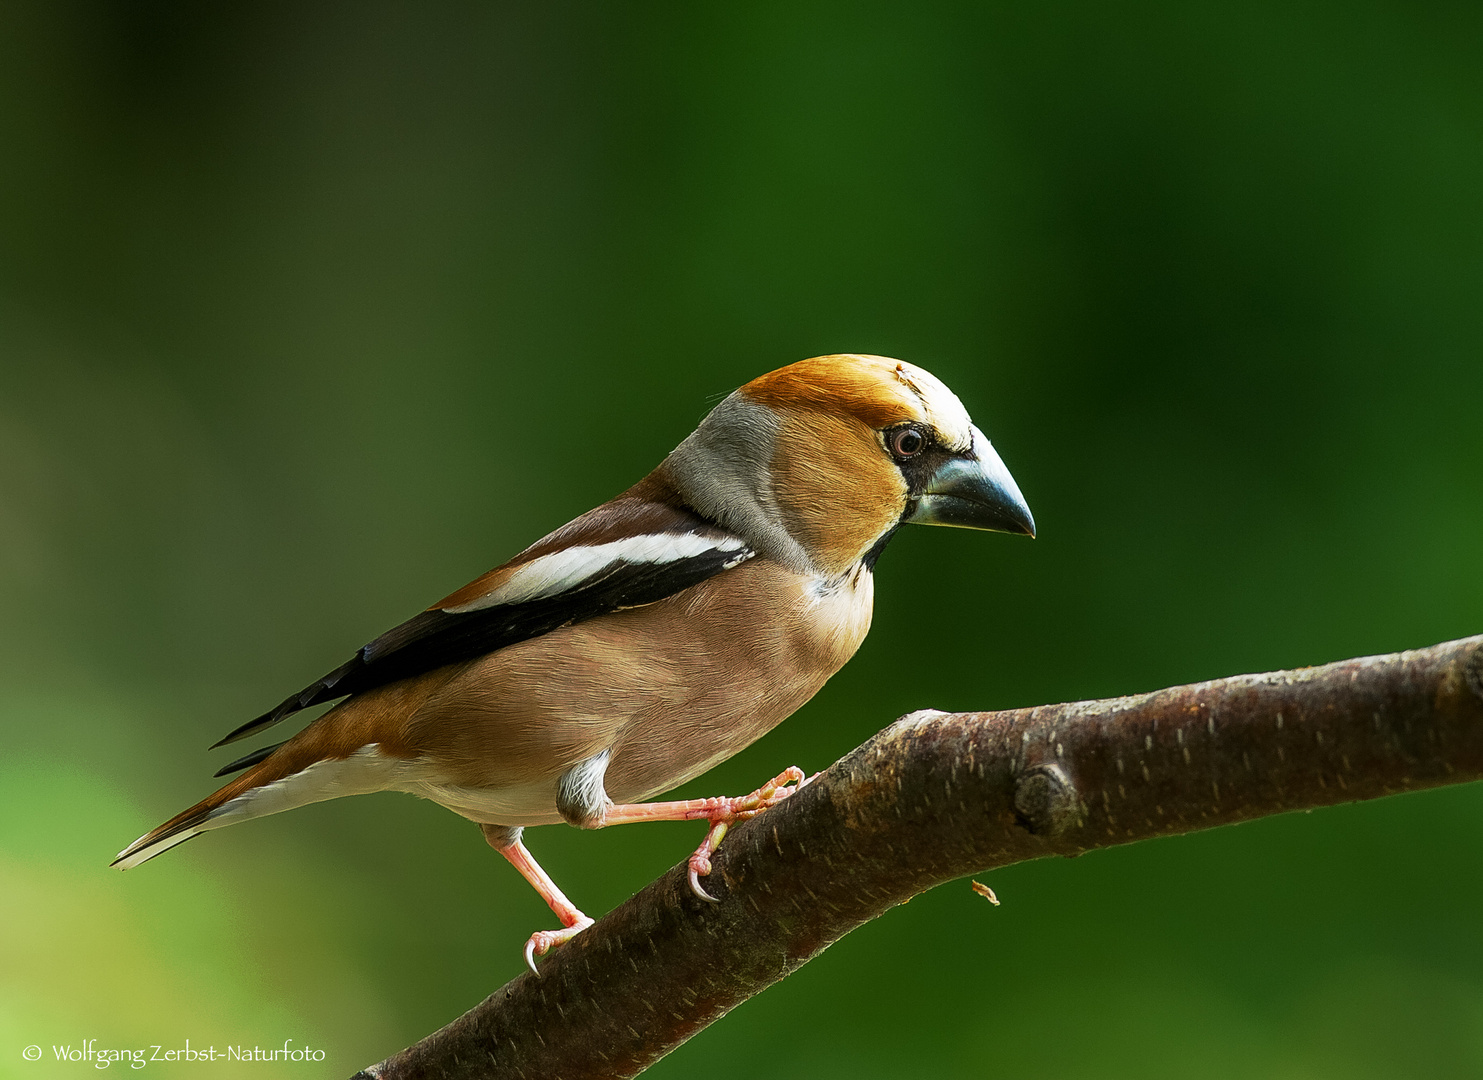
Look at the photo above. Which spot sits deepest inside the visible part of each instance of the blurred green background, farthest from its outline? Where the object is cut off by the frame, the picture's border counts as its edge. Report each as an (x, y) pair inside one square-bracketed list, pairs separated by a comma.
[(311, 312)]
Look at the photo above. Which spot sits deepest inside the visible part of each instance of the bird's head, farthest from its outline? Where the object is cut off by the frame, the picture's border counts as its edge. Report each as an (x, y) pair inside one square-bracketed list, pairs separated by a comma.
[(817, 463)]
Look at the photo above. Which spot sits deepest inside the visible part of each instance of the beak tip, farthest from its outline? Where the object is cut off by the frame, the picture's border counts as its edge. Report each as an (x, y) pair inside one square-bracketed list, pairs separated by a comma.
[(974, 492)]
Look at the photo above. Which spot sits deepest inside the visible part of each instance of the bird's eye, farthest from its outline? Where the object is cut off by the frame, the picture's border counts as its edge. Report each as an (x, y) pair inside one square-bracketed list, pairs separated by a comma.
[(907, 442)]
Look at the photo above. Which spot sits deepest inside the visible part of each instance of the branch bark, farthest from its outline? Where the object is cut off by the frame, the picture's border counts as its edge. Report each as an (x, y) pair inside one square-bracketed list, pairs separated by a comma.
[(936, 796)]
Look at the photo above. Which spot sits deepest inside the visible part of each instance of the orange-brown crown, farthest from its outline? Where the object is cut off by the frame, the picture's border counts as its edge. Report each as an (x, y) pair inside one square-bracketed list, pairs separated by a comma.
[(876, 390)]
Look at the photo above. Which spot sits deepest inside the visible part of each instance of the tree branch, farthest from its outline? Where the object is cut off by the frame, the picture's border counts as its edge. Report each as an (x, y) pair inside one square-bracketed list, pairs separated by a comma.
[(936, 796)]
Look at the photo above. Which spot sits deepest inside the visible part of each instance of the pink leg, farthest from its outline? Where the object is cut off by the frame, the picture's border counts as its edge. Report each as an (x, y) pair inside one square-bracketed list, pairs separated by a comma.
[(572, 920), (721, 811)]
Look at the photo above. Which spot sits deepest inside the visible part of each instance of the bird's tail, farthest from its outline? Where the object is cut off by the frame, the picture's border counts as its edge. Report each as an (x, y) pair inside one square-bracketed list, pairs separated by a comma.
[(222, 807), (335, 755)]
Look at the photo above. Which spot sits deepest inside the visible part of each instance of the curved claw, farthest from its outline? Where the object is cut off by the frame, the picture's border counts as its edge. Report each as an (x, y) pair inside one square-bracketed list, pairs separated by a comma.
[(695, 886), (543, 941)]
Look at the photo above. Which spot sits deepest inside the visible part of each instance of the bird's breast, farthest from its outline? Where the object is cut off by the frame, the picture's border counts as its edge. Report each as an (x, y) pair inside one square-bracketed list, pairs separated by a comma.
[(755, 649)]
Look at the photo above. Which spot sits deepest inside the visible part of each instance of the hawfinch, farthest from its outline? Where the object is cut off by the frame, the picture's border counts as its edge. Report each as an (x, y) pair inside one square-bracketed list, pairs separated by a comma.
[(651, 638)]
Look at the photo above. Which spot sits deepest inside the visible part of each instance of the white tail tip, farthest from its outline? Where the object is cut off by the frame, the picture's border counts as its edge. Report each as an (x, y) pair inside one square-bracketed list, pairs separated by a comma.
[(133, 855)]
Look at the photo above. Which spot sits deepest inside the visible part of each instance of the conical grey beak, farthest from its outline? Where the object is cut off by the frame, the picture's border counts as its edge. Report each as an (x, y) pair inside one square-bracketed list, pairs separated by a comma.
[(974, 493)]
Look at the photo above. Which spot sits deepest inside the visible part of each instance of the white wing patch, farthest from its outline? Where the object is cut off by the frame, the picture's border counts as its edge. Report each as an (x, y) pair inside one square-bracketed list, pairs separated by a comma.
[(562, 571)]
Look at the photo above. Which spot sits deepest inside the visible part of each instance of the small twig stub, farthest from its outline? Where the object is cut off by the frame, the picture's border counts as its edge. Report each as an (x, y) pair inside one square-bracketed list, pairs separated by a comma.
[(986, 892)]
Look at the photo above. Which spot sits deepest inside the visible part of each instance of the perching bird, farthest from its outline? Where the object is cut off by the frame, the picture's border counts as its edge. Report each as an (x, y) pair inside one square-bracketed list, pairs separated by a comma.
[(651, 638)]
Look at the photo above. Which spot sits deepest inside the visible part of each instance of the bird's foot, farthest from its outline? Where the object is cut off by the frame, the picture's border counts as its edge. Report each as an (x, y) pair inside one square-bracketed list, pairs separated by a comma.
[(721, 812), (727, 811), (543, 941), (508, 843)]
